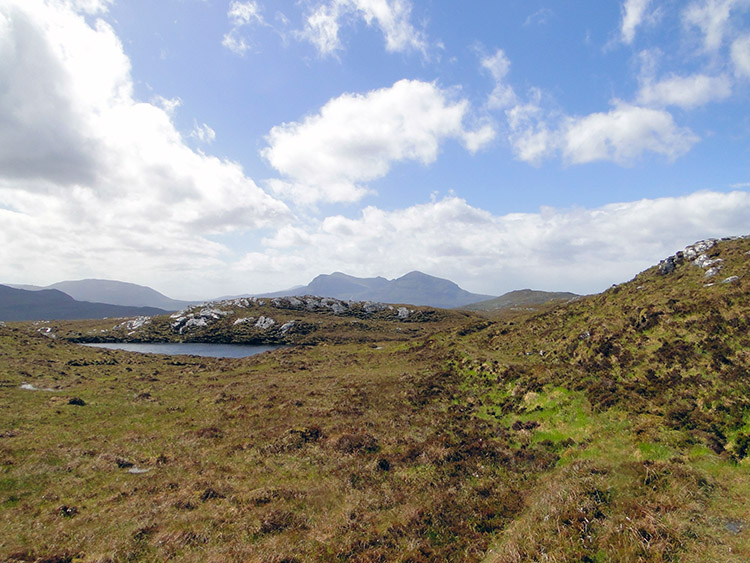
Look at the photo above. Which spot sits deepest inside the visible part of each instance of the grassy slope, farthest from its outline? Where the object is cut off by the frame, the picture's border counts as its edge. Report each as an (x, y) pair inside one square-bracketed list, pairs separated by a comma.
[(644, 391), (611, 429)]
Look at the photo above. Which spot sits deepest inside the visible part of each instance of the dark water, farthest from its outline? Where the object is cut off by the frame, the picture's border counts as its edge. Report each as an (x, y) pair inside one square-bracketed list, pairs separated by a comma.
[(189, 348)]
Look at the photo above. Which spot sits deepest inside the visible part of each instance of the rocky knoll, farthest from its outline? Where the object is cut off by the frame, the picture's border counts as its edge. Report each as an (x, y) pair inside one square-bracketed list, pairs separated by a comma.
[(282, 320), (702, 254), (671, 343)]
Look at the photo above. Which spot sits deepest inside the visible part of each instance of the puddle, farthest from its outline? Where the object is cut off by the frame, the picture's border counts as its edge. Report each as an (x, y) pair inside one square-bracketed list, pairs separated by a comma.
[(30, 387), (734, 526)]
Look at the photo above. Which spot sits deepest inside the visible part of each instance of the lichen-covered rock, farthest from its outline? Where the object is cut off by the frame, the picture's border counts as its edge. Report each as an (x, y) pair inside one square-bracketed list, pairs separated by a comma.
[(196, 322), (667, 266), (371, 307), (264, 323), (134, 324), (704, 261), (698, 248), (197, 317)]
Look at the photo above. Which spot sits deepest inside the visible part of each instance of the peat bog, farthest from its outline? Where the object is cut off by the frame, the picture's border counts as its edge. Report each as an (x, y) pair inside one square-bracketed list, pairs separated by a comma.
[(615, 427)]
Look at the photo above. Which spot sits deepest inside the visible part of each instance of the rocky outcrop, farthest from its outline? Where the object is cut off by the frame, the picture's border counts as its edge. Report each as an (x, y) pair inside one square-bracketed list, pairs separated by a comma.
[(203, 316), (697, 254), (197, 317), (134, 324)]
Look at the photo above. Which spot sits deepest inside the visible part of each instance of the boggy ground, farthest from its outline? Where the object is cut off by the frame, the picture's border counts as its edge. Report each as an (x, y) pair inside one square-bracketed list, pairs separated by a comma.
[(616, 428), (332, 452)]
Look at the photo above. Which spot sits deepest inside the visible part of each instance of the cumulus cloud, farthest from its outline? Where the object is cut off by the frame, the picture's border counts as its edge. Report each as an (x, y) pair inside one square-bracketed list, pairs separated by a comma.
[(242, 15), (741, 56), (582, 250), (686, 91), (203, 134), (391, 17), (88, 170), (92, 7), (537, 130), (356, 138), (713, 18), (621, 135), (633, 14), (498, 66)]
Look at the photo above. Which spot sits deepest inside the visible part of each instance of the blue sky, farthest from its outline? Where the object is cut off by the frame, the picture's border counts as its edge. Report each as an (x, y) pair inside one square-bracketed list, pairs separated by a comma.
[(208, 147)]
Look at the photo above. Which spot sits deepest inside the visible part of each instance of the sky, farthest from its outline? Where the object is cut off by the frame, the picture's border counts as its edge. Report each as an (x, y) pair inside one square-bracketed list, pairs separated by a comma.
[(213, 147)]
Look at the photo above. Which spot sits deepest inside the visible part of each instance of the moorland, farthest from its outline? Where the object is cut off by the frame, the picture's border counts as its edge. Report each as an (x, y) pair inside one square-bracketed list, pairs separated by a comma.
[(614, 427)]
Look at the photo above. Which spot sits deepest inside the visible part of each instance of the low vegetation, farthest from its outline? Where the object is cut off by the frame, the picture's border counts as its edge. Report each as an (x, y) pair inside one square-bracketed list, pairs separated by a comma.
[(610, 428)]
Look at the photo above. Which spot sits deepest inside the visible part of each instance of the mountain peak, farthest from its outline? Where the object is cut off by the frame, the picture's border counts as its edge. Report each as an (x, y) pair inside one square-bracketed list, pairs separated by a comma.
[(414, 288)]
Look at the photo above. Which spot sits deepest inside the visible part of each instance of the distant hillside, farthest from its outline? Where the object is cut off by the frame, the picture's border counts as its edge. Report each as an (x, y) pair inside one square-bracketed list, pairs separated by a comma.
[(414, 288), (114, 293), (52, 304), (521, 298)]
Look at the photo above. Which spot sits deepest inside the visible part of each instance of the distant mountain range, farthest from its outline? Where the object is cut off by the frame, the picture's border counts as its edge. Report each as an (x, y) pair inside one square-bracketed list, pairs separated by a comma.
[(95, 298), (113, 293), (414, 288), (51, 304)]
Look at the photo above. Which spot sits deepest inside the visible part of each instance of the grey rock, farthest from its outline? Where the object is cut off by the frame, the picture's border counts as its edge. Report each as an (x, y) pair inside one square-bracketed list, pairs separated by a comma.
[(667, 266), (264, 323), (703, 261), (371, 307), (697, 248)]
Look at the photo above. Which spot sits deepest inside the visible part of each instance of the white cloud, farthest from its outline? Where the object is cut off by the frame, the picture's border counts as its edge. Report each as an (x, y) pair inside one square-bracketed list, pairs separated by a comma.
[(686, 91), (713, 18), (356, 138), (582, 250), (498, 66), (203, 134), (620, 135), (391, 17), (92, 7), (322, 28), (529, 135), (624, 134), (537, 130), (87, 170), (169, 105), (540, 17), (633, 14), (241, 15), (741, 56)]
